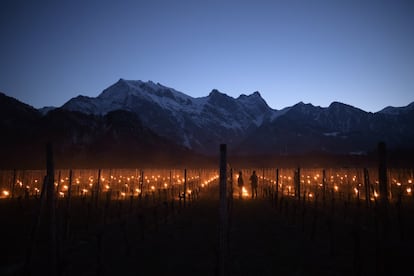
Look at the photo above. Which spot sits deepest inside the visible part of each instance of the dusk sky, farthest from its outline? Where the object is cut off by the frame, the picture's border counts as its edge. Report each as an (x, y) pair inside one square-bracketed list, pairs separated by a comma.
[(357, 52)]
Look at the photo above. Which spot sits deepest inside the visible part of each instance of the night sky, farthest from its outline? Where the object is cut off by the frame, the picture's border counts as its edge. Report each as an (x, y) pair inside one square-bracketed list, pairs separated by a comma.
[(357, 52)]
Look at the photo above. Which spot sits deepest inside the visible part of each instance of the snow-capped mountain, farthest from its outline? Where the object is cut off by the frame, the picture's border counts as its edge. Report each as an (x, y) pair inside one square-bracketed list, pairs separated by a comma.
[(132, 119), (339, 128), (116, 139), (197, 123), (247, 124)]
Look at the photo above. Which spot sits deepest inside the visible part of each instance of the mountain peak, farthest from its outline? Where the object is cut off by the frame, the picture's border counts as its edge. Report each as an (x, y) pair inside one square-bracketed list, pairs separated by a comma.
[(391, 110), (336, 104), (256, 94), (215, 92)]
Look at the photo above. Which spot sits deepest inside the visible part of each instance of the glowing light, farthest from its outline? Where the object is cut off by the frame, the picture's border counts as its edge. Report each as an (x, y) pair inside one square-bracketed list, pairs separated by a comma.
[(122, 194), (6, 193), (398, 184), (336, 188), (138, 191), (409, 190), (310, 195), (65, 187), (153, 188), (356, 191), (165, 185), (84, 191), (410, 181), (107, 187), (375, 194), (61, 194), (189, 192), (244, 192)]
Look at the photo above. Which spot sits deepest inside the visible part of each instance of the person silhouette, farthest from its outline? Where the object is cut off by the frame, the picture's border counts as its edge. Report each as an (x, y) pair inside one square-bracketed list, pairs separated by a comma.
[(240, 184), (253, 182)]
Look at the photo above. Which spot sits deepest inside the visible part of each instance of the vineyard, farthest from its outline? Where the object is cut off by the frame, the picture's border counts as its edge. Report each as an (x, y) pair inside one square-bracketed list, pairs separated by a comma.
[(173, 221)]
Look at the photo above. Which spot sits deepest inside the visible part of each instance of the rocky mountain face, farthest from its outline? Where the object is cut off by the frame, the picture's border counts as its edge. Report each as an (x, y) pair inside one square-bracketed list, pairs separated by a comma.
[(199, 124), (135, 120), (248, 125), (338, 128), (117, 138)]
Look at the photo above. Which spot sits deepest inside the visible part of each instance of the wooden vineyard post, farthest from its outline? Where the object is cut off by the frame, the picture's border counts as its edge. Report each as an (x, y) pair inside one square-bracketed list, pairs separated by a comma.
[(297, 184), (382, 173), (367, 185), (263, 189), (323, 187), (14, 183), (383, 266), (58, 187), (171, 186), (50, 205), (223, 214), (277, 188), (185, 186), (231, 189), (141, 185), (97, 188), (67, 211)]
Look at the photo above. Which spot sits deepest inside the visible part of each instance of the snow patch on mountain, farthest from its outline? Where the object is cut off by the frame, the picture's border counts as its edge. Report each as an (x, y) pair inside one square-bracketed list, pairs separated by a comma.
[(174, 114)]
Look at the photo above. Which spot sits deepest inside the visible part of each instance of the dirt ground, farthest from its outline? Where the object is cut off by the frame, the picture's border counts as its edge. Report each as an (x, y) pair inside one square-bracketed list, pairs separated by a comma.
[(263, 240)]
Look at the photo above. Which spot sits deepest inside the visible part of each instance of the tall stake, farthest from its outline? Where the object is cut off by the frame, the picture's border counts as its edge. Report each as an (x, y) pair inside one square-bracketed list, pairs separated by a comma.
[(223, 226), (277, 187), (297, 184), (97, 188), (14, 183), (50, 203), (367, 185), (323, 187), (141, 185), (382, 173), (185, 185), (67, 211)]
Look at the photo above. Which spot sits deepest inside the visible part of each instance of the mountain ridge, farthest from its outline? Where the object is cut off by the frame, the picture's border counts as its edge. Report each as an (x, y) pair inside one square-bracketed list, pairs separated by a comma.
[(246, 123)]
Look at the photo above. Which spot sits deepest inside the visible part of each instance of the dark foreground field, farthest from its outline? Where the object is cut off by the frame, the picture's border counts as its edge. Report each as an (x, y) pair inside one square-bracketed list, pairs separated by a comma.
[(266, 237)]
